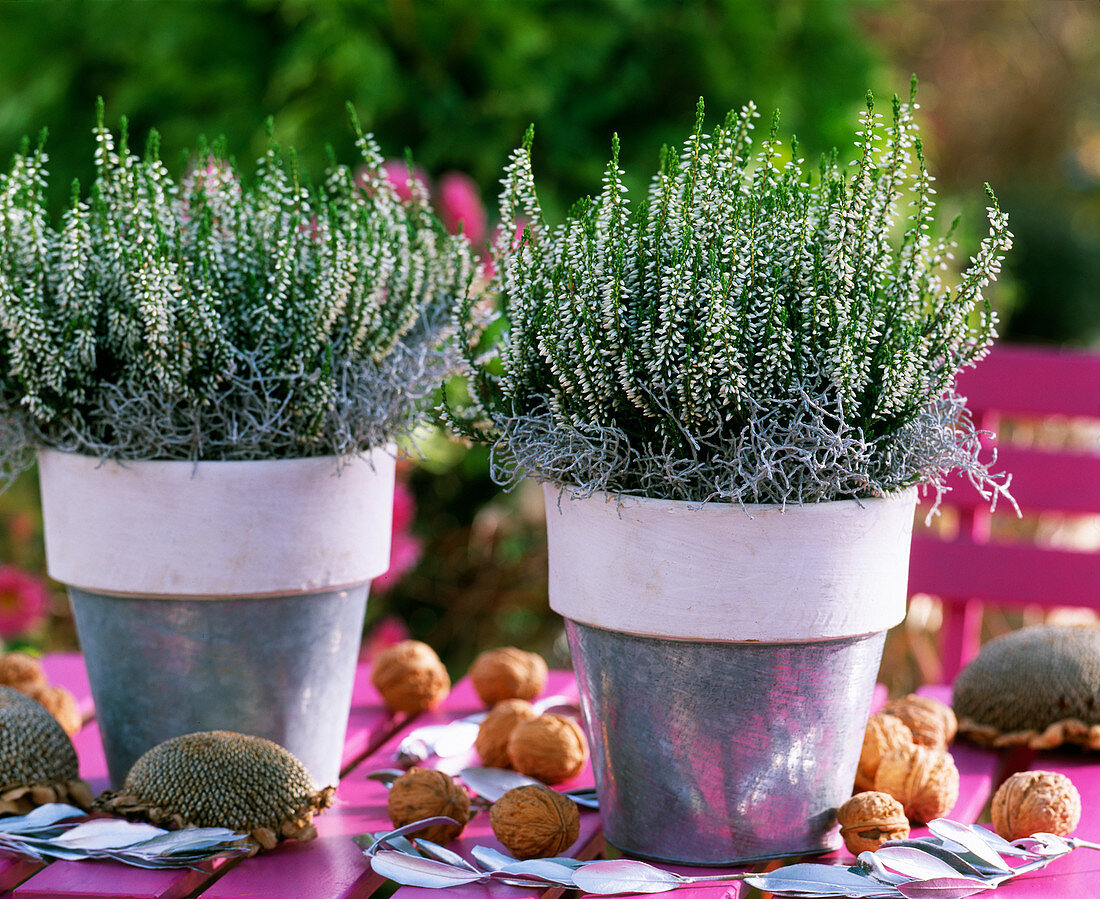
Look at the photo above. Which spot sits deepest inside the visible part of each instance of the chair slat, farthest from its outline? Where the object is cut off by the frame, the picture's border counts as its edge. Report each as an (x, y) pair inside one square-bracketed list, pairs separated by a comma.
[(1034, 381), (1042, 481), (1004, 573)]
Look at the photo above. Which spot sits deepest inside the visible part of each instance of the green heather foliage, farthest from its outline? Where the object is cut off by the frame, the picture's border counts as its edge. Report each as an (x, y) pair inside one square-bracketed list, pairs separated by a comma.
[(211, 318), (747, 332)]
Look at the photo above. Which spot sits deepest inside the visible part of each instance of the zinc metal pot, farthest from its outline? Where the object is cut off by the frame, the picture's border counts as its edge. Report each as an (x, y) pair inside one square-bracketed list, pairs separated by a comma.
[(726, 658), (219, 595)]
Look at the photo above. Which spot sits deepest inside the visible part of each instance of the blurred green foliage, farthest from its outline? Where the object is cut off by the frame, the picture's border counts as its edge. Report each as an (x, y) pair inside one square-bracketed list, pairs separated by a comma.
[(457, 81)]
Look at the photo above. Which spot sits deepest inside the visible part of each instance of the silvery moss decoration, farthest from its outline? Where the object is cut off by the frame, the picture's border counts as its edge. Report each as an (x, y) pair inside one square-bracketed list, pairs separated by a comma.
[(956, 861), (750, 331), (218, 317)]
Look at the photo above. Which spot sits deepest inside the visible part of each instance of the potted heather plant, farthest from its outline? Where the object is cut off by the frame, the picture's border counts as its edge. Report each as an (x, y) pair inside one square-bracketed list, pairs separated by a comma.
[(212, 373), (732, 390)]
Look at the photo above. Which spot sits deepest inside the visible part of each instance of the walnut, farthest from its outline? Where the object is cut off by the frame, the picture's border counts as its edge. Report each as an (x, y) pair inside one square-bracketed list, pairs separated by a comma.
[(932, 723), (21, 671), (535, 821), (410, 677), (551, 748), (1036, 801), (424, 793), (60, 703), (508, 673), (868, 820), (924, 780), (884, 734), (492, 736)]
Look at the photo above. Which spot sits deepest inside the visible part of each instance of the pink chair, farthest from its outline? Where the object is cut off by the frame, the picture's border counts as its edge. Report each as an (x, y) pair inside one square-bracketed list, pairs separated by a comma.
[(974, 567)]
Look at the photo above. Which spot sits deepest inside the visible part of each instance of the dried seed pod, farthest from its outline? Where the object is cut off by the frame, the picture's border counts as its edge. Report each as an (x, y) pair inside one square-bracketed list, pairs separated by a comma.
[(868, 820), (535, 821), (1036, 802), (931, 722), (884, 734), (550, 748), (508, 673), (424, 793), (410, 677), (924, 780), (496, 729), (220, 778), (60, 703), (37, 760), (1035, 687), (21, 672)]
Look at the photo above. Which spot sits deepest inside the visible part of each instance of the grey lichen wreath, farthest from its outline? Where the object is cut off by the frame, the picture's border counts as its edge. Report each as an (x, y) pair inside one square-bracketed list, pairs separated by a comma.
[(217, 317), (749, 332)]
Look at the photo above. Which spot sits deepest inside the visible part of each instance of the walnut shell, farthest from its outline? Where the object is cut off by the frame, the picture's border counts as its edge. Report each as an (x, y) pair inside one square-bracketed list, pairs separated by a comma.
[(424, 793), (492, 736), (508, 673), (535, 821), (884, 734), (550, 748), (932, 723), (410, 677), (60, 703), (21, 671), (868, 820), (1036, 802), (924, 780)]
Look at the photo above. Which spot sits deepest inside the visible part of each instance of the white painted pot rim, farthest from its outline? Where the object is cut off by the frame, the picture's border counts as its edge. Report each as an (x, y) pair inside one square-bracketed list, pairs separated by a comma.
[(178, 529), (726, 572)]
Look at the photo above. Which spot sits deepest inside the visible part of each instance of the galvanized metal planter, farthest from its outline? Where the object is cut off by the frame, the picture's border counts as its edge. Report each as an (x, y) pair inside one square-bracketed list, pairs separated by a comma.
[(726, 659), (219, 595)]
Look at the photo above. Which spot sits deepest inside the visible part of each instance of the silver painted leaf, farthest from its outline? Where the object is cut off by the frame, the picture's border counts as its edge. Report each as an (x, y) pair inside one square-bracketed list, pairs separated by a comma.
[(584, 797), (44, 816), (877, 870), (821, 880), (492, 783), (385, 775), (624, 876), (1048, 845), (543, 868), (459, 737), (383, 839), (193, 840), (420, 872), (943, 888), (491, 859), (998, 844), (964, 836), (106, 833), (558, 705), (442, 854), (914, 862), (954, 856)]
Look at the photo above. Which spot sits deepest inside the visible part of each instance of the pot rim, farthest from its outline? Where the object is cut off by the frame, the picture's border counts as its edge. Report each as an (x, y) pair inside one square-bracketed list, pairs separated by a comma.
[(790, 574), (181, 529)]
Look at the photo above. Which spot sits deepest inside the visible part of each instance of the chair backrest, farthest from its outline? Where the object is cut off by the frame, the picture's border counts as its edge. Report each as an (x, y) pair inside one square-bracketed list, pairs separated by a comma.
[(1044, 389)]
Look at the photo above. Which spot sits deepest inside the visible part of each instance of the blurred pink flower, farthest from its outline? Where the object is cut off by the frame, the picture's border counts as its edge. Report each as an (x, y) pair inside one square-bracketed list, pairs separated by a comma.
[(488, 267), (24, 601), (405, 549), (397, 171), (459, 204), (389, 631)]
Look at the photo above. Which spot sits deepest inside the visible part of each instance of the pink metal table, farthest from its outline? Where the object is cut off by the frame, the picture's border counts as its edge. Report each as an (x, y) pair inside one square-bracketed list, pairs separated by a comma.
[(332, 865)]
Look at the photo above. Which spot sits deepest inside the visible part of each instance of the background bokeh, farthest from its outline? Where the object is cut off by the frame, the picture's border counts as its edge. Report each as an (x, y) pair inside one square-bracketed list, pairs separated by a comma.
[(1010, 94)]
